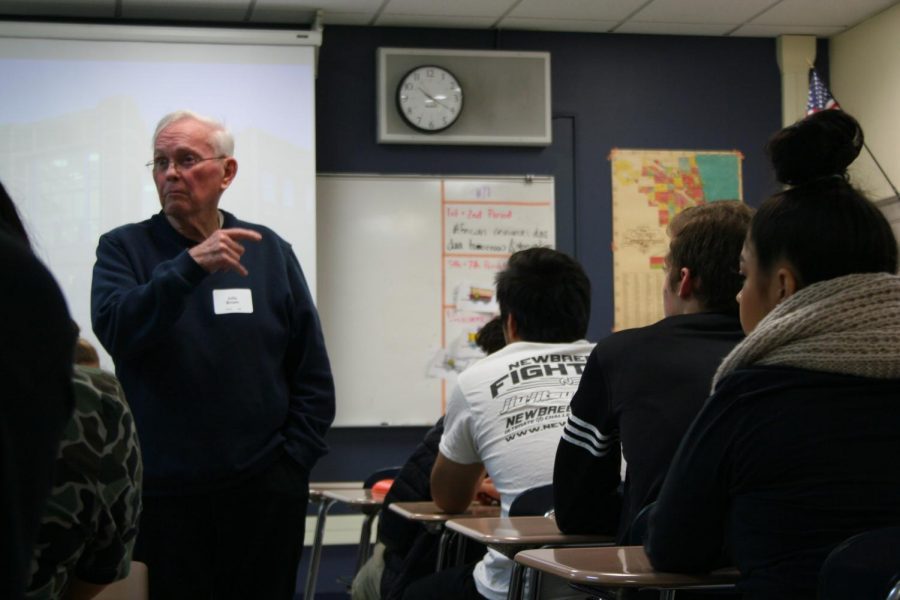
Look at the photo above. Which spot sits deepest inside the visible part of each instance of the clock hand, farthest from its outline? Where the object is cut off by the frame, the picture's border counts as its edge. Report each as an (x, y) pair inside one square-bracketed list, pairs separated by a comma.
[(433, 99)]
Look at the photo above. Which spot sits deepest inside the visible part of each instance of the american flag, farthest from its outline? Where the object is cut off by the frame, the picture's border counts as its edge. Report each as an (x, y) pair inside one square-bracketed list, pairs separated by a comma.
[(818, 98)]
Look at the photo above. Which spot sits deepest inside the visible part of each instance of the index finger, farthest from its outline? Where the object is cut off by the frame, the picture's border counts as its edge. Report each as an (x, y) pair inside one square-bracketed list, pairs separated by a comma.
[(239, 233)]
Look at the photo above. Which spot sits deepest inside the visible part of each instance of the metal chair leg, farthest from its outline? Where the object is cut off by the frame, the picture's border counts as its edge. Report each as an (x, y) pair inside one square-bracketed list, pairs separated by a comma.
[(515, 582), (443, 549), (365, 540), (462, 544), (309, 590)]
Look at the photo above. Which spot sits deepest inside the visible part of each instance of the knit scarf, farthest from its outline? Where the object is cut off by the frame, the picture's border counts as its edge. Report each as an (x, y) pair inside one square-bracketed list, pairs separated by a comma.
[(849, 325)]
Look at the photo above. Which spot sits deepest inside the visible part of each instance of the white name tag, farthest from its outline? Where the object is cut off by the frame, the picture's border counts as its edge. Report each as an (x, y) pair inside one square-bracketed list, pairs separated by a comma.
[(238, 300)]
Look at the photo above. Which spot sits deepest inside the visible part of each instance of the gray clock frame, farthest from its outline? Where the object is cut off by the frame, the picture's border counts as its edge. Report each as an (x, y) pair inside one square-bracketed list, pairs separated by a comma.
[(507, 97)]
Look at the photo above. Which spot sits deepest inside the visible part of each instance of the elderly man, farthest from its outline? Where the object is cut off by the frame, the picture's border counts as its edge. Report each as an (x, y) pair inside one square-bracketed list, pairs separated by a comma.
[(219, 348)]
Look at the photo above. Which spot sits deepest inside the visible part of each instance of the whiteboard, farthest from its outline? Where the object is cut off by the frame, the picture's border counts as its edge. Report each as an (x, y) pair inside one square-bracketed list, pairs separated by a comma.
[(397, 259)]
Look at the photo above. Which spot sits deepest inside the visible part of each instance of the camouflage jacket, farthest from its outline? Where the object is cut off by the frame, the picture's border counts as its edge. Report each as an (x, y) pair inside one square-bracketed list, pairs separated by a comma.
[(90, 521)]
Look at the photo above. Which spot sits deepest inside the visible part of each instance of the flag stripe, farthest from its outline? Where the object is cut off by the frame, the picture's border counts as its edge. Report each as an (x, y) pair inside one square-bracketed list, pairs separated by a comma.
[(818, 98)]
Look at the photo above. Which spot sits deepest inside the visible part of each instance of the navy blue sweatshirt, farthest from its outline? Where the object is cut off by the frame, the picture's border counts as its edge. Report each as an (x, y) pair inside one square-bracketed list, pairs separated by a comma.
[(216, 397)]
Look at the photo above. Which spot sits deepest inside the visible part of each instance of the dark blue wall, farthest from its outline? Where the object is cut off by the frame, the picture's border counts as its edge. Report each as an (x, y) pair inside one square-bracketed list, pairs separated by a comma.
[(609, 91)]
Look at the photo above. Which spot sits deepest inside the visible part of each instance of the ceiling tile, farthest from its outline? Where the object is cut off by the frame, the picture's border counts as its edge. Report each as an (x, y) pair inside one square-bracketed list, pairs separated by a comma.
[(327, 6), (778, 30), (334, 12), (582, 25), (456, 8), (702, 11), (199, 10), (435, 21), (675, 28), (830, 13), (596, 10), (348, 18), (59, 8)]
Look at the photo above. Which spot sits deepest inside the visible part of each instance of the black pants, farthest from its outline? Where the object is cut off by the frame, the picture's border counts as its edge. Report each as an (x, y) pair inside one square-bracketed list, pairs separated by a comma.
[(455, 583), (240, 543)]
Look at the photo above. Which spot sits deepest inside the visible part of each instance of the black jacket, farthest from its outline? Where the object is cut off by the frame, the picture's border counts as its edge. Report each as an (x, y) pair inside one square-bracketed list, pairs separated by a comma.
[(641, 387), (780, 466)]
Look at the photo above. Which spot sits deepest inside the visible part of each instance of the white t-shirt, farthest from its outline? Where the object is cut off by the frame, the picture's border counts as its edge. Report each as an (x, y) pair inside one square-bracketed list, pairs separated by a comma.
[(507, 412)]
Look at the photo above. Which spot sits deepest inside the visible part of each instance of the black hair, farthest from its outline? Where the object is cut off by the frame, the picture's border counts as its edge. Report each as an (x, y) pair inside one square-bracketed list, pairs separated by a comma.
[(707, 239), (821, 225), (547, 293), (490, 337)]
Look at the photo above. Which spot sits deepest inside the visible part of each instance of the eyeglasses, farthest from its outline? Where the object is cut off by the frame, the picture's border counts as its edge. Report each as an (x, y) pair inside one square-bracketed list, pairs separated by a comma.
[(186, 162)]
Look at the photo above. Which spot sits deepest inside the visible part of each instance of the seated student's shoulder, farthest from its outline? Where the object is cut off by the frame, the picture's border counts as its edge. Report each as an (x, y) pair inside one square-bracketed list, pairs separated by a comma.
[(626, 344), (103, 422)]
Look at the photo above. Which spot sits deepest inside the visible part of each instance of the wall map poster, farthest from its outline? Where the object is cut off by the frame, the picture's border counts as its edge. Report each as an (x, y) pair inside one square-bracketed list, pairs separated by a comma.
[(649, 187)]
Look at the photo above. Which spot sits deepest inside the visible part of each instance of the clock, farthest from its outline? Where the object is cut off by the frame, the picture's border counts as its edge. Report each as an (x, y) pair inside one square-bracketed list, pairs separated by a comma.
[(429, 98)]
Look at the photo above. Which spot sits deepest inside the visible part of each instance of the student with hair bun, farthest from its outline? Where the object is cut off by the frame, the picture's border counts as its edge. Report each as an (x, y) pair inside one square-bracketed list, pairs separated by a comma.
[(796, 449)]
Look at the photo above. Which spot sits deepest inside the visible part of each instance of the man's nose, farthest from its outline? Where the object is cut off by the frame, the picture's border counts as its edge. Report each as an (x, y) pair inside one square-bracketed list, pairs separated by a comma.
[(172, 170)]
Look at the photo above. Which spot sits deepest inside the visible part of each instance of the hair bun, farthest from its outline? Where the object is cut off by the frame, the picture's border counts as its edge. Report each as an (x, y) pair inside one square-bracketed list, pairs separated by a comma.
[(819, 146)]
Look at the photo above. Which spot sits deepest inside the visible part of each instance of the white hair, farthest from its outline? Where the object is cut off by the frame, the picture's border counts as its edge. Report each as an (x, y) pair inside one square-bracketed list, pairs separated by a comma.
[(221, 139)]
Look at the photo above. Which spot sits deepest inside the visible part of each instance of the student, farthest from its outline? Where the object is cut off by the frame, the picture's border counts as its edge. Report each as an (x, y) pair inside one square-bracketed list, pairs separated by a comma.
[(36, 370), (796, 450), (91, 520), (405, 551), (507, 410), (643, 387)]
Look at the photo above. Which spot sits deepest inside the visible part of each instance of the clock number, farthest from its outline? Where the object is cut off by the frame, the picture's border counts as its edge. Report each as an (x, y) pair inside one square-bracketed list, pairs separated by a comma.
[(429, 73)]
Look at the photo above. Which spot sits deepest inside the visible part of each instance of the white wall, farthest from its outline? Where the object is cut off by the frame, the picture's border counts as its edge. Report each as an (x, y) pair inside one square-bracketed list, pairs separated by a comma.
[(865, 79)]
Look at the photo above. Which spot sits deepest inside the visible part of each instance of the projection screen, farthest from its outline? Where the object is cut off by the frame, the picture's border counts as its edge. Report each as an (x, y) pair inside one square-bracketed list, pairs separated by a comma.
[(78, 106)]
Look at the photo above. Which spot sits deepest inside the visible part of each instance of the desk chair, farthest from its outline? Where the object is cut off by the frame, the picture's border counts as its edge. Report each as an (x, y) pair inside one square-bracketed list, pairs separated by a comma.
[(365, 536), (597, 569), (322, 495), (635, 535), (865, 567), (637, 531), (533, 502)]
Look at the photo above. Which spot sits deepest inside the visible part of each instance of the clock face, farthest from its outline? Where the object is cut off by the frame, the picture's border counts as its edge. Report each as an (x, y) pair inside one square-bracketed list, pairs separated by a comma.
[(429, 98)]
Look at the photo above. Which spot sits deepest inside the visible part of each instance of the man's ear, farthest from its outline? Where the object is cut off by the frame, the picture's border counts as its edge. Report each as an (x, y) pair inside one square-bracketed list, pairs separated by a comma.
[(510, 330), (231, 167), (686, 284)]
